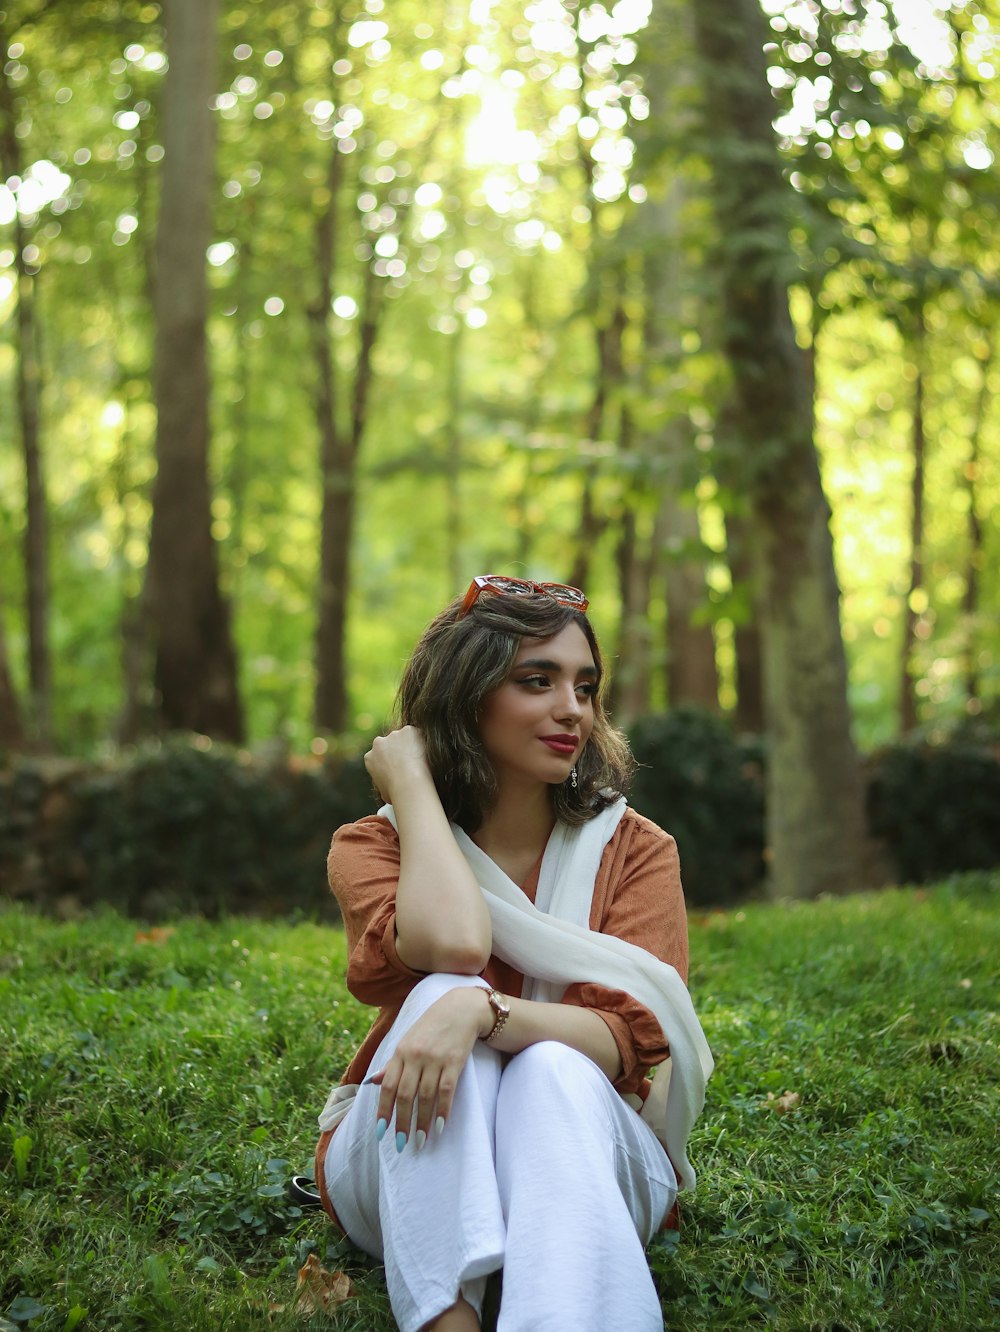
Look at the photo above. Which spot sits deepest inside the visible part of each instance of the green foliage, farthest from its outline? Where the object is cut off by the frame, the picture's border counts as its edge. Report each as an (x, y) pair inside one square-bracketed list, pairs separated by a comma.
[(934, 801), (170, 1087), (704, 786)]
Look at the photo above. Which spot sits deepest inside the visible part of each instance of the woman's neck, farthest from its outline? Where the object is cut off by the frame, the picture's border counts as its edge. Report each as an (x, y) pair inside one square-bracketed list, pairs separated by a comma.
[(518, 825)]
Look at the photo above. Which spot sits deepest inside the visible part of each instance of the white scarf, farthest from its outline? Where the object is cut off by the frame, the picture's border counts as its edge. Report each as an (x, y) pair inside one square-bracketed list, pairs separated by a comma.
[(551, 944)]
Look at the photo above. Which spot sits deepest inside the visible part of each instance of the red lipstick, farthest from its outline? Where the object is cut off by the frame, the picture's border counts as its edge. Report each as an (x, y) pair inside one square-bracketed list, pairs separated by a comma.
[(561, 744)]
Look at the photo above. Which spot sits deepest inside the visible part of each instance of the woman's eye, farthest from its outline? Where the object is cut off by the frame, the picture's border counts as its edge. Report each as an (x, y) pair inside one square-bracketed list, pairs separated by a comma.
[(534, 681)]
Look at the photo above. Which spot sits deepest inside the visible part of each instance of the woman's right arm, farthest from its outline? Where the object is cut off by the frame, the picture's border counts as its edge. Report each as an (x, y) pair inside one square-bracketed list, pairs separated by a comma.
[(442, 923)]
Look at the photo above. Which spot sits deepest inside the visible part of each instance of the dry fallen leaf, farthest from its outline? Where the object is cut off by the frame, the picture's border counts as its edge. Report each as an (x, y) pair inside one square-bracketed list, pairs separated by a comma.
[(320, 1291), (788, 1100), (156, 934)]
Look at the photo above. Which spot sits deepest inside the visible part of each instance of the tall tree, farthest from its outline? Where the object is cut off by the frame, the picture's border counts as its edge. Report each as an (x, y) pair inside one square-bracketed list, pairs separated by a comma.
[(195, 660), (29, 377), (815, 806), (915, 590), (12, 736)]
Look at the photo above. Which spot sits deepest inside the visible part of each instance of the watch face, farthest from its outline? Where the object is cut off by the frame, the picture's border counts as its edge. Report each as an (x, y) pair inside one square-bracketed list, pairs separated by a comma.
[(500, 1004)]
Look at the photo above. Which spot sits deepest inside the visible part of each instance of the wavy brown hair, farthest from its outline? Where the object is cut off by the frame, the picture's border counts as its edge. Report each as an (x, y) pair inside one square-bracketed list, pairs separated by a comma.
[(461, 659)]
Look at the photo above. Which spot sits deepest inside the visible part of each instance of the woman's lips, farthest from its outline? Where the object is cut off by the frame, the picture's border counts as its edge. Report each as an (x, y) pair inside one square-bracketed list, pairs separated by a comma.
[(565, 745)]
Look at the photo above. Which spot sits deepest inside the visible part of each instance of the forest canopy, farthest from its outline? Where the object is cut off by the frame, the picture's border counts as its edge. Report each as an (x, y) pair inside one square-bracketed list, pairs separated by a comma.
[(469, 287)]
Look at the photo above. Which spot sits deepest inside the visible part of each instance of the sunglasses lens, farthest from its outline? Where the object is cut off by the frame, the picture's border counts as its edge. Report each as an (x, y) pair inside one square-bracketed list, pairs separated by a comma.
[(571, 596), (511, 586), (520, 587)]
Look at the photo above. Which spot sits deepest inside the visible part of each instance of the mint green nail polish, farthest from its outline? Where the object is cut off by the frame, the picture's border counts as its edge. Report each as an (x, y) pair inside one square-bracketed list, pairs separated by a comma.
[(380, 1129), (439, 1124), (400, 1141), (421, 1138)]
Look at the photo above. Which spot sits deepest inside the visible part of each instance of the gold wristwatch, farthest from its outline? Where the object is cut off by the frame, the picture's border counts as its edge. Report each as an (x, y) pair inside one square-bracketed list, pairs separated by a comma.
[(501, 1011)]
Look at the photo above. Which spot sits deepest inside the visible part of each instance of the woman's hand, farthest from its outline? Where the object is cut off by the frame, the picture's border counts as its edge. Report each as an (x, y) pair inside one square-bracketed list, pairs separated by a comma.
[(428, 1061), (395, 759)]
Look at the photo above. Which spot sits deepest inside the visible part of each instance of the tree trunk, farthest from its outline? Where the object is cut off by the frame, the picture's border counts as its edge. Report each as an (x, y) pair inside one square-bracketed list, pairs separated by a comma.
[(135, 715), (749, 716), (815, 797), (631, 680), (608, 341), (195, 660), (911, 613), (28, 377), (692, 675), (339, 458), (330, 702), (12, 735), (453, 459), (975, 559)]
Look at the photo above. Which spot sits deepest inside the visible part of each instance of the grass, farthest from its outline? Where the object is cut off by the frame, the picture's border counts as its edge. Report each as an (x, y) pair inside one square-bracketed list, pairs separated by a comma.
[(156, 1093)]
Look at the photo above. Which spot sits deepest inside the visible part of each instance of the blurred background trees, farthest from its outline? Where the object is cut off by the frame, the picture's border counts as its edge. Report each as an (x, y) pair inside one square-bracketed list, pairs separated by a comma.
[(577, 291)]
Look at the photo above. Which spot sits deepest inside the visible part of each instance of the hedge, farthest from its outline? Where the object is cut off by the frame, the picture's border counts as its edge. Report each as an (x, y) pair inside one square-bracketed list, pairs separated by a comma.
[(190, 826)]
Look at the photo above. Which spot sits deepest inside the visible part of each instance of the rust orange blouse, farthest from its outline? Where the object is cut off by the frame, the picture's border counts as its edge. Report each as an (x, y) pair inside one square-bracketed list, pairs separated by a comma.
[(637, 896)]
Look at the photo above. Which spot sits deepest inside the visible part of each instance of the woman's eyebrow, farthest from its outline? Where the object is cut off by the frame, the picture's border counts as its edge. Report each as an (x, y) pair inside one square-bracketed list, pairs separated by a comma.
[(542, 664)]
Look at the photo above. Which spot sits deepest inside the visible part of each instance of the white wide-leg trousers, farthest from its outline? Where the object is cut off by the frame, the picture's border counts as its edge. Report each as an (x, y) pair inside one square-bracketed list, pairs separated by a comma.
[(542, 1170)]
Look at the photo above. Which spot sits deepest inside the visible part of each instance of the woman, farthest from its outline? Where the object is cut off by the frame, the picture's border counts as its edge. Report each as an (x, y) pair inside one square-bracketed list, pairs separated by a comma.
[(523, 936)]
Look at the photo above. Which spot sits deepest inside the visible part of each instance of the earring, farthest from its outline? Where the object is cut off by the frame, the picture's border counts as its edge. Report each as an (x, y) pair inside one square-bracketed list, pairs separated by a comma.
[(572, 777)]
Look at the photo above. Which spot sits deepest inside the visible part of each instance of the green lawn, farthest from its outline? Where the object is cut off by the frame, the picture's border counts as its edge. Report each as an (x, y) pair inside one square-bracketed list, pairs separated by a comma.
[(155, 1095)]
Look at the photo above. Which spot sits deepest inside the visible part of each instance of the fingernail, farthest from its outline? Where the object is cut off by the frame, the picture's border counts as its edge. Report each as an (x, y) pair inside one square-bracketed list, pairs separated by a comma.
[(400, 1141), (380, 1129), (439, 1124), (421, 1138)]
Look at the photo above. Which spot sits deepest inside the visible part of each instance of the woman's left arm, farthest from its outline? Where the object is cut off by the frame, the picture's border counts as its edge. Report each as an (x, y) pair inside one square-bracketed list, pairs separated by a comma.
[(581, 1028)]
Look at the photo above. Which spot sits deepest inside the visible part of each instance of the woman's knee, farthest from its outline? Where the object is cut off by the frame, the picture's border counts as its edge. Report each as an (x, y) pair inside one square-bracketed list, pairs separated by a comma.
[(551, 1068)]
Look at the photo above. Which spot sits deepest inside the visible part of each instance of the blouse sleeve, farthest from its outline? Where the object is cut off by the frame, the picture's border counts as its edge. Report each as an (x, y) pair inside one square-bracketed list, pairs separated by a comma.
[(644, 906), (363, 871)]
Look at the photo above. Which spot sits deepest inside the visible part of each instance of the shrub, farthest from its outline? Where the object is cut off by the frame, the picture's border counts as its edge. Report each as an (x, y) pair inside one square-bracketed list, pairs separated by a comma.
[(705, 787), (179, 828), (935, 801)]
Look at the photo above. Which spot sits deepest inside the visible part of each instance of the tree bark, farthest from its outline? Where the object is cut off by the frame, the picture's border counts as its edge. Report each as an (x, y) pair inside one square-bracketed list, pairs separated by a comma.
[(12, 733), (632, 679), (976, 555), (815, 800), (911, 616), (453, 441), (195, 659), (692, 675), (608, 343), (749, 715), (28, 378)]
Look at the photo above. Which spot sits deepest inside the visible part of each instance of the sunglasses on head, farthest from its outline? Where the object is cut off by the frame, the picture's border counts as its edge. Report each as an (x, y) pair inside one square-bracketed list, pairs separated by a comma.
[(502, 586)]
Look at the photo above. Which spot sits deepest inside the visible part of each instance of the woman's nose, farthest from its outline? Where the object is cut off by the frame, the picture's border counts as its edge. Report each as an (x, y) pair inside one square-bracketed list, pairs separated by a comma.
[(570, 706)]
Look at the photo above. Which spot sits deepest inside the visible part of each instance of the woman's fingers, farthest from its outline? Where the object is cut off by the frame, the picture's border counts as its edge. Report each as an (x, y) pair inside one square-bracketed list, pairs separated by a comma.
[(426, 1102), (387, 1095), (415, 1104), (445, 1095), (405, 1096), (417, 1085)]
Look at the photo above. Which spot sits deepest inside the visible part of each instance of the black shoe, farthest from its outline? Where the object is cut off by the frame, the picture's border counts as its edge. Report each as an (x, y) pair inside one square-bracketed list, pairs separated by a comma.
[(302, 1190)]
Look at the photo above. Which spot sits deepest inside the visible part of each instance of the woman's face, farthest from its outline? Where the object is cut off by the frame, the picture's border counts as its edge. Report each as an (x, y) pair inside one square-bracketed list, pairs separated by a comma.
[(535, 725)]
